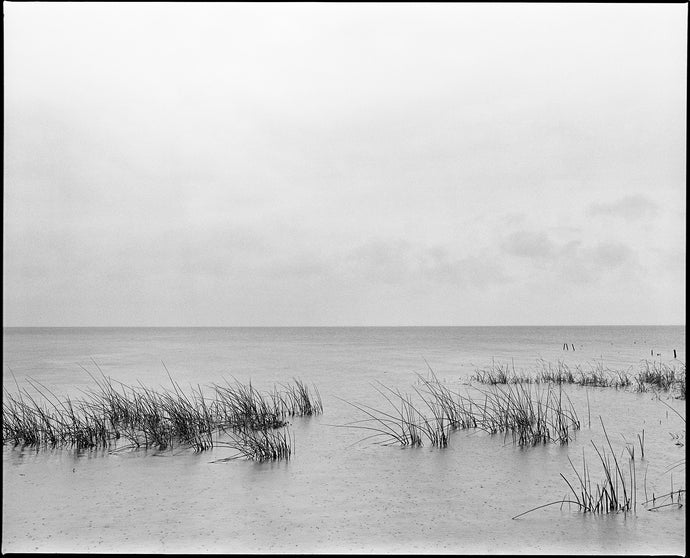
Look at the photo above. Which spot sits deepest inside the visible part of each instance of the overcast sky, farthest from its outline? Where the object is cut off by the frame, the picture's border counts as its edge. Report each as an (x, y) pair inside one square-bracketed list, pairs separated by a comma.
[(344, 164)]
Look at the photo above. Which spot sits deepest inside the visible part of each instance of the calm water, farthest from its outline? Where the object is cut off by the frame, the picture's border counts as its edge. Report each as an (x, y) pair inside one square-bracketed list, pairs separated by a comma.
[(57, 356), (337, 493)]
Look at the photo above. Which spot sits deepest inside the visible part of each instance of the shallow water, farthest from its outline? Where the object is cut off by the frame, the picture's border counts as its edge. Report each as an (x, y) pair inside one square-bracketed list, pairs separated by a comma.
[(337, 493)]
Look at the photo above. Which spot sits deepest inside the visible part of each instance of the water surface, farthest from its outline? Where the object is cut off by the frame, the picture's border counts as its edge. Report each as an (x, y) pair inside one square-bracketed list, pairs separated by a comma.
[(338, 494)]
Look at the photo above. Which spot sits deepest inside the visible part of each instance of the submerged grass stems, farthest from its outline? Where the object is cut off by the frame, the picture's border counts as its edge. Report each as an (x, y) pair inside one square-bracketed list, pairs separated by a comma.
[(159, 419)]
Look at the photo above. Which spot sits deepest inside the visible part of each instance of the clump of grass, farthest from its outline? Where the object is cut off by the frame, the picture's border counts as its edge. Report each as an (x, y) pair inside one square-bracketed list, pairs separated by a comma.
[(530, 417), (503, 373), (40, 419), (113, 412), (616, 492), (662, 376), (460, 412), (242, 405), (496, 373), (189, 418), (297, 400), (559, 373), (652, 375), (260, 445), (398, 426), (600, 376), (21, 423)]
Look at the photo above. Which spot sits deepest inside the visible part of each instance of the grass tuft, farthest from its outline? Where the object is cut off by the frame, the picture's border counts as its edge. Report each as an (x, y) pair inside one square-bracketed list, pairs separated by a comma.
[(115, 415), (652, 375), (529, 416)]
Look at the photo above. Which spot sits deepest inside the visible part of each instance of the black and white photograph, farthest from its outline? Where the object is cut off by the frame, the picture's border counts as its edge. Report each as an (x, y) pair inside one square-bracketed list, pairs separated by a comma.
[(344, 278)]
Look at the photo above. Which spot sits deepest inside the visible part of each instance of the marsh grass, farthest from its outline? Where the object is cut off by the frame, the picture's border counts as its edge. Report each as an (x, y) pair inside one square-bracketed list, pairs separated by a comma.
[(297, 400), (115, 415), (529, 416), (460, 412), (616, 491), (399, 425), (266, 444), (662, 376), (652, 375), (497, 373), (40, 418), (240, 405)]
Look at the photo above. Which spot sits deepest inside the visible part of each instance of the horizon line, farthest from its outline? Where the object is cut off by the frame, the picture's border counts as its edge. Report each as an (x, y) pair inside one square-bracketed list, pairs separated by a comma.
[(324, 326)]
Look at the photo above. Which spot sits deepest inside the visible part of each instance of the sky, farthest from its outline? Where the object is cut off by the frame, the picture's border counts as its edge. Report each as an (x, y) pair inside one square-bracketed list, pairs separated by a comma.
[(344, 164)]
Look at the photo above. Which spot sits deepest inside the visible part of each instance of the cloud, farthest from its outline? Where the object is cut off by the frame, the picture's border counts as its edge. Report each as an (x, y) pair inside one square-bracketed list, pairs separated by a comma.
[(575, 261), (611, 254), (630, 208), (438, 265), (530, 244), (591, 264), (400, 262), (312, 164)]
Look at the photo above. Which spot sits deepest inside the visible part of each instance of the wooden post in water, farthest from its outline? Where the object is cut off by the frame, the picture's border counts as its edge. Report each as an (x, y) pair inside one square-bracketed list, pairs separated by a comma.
[(573, 344), (674, 353)]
